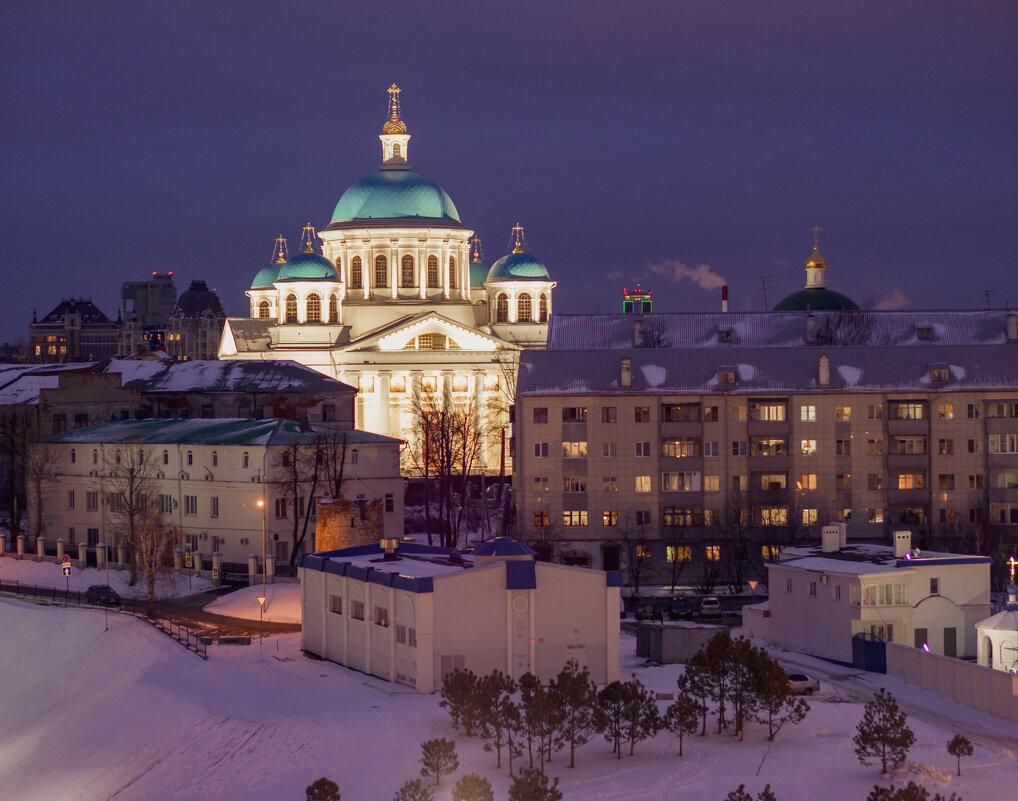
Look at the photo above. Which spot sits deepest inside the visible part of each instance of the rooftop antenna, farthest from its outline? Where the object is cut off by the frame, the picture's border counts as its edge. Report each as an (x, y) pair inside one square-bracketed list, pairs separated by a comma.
[(765, 281), (517, 240), (988, 293)]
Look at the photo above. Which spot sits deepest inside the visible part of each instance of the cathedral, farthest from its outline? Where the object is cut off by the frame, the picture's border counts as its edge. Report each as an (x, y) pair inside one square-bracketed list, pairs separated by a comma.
[(393, 297)]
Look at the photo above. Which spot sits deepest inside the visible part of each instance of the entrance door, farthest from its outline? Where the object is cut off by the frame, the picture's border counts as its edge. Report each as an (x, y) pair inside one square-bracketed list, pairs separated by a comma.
[(921, 638), (610, 557), (950, 642)]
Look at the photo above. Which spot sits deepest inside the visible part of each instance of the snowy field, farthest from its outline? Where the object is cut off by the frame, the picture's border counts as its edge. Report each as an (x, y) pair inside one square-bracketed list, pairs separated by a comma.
[(282, 604), (129, 714), (49, 574)]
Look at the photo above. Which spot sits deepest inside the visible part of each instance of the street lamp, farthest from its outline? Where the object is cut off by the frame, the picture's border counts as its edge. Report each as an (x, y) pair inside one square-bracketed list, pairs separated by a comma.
[(264, 595)]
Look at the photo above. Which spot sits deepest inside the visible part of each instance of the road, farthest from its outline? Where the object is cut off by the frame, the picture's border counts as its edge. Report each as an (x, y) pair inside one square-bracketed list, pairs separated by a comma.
[(189, 612)]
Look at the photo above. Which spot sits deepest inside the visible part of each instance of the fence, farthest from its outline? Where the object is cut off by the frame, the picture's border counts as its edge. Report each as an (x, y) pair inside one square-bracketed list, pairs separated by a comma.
[(980, 687), (189, 639)]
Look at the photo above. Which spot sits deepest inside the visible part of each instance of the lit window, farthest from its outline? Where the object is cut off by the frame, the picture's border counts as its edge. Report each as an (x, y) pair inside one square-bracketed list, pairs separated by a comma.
[(291, 308), (808, 414), (381, 271), (678, 553), (314, 308), (432, 272), (643, 483), (712, 553), (407, 272), (524, 308)]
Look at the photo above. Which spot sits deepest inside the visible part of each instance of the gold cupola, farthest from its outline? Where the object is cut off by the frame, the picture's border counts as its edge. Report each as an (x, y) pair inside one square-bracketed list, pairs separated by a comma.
[(394, 136)]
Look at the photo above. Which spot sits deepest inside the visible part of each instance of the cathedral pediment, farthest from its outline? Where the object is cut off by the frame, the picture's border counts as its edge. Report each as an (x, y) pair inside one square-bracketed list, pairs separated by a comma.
[(428, 331)]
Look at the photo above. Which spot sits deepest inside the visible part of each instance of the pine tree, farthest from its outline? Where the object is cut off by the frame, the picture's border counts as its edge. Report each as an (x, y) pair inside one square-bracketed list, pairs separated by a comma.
[(460, 698), (472, 787), (576, 697), (438, 757), (641, 719), (776, 704), (741, 795), (742, 681), (493, 691), (322, 790), (532, 785), (414, 790), (692, 683), (717, 660), (960, 746), (910, 792), (514, 727), (610, 713), (682, 717), (882, 733)]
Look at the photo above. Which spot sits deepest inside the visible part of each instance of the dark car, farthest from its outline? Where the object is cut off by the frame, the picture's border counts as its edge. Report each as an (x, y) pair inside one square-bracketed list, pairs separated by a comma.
[(681, 608), (102, 594)]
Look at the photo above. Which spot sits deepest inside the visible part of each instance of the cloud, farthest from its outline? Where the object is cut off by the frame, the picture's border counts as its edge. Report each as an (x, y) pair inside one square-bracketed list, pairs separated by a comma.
[(614, 275), (896, 300), (701, 275)]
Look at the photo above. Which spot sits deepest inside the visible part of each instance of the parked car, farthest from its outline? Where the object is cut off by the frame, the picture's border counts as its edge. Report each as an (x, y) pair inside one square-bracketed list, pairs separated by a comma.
[(681, 608), (801, 684), (710, 606), (102, 594)]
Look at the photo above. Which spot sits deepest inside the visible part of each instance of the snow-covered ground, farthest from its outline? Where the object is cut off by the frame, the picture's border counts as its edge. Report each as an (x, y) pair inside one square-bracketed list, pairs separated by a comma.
[(282, 603), (49, 574), (129, 714)]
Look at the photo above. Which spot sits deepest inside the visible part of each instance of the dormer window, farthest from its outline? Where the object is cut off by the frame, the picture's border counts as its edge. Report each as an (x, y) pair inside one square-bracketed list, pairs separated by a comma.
[(940, 374), (397, 151), (925, 332), (724, 335), (726, 376)]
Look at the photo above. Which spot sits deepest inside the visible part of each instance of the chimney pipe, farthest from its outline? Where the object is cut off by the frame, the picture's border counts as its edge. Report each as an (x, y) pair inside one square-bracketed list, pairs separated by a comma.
[(902, 543), (724, 298), (811, 329), (825, 371), (627, 371), (1012, 327)]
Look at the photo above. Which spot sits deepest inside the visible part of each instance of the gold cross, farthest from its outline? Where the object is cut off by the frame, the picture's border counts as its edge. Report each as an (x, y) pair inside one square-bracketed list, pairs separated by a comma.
[(816, 229), (1012, 562)]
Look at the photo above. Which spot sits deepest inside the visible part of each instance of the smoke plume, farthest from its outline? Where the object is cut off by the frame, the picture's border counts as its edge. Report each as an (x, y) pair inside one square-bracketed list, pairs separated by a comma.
[(701, 275)]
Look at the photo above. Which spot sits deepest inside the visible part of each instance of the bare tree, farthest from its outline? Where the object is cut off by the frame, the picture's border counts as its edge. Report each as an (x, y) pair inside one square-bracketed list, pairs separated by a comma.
[(41, 472), (546, 540), (678, 554), (17, 432), (154, 541), (132, 484), (634, 545)]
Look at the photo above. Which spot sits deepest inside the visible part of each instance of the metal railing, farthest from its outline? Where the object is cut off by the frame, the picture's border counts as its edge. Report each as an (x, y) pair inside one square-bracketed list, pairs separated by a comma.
[(132, 606)]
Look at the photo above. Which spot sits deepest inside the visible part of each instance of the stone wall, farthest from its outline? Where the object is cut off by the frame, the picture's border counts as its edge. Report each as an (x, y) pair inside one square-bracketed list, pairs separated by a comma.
[(345, 524)]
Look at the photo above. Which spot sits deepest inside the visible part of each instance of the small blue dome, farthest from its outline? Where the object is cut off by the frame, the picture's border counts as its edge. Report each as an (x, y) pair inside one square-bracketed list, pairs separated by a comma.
[(504, 546), (266, 277), (478, 272), (395, 194), (307, 267), (518, 267)]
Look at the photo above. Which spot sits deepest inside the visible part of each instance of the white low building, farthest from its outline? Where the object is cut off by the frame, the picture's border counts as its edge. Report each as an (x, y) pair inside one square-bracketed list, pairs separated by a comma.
[(418, 612), (206, 478), (821, 597), (998, 635)]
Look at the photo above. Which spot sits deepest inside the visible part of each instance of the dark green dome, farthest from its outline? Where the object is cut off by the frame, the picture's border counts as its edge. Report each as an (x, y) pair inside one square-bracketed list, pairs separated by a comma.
[(817, 299), (518, 267), (307, 267)]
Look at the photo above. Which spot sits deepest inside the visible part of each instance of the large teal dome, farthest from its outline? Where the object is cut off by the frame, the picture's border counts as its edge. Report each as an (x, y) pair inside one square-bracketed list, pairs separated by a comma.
[(266, 277), (307, 267), (816, 299), (393, 195), (518, 267)]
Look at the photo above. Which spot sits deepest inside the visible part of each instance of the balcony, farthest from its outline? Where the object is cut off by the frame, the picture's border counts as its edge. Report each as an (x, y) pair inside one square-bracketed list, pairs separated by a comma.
[(1001, 425), (686, 464), (908, 497), (681, 430), (769, 464), (908, 460), (907, 427), (1003, 495), (768, 428), (997, 461)]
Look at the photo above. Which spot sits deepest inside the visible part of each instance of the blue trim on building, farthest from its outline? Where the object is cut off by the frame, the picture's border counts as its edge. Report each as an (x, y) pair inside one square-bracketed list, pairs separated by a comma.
[(520, 575), (953, 560), (613, 578)]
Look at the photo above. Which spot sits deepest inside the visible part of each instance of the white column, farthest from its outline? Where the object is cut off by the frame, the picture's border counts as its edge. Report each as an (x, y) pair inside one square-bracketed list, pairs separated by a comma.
[(443, 270), (421, 266), (383, 402), (394, 269)]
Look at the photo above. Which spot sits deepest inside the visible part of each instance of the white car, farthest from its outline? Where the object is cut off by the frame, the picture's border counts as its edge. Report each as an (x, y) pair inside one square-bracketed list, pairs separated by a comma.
[(710, 607), (801, 684)]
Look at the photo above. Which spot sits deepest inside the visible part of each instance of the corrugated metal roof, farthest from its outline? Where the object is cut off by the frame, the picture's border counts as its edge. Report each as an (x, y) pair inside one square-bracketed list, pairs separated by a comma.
[(226, 431), (223, 376), (693, 370), (777, 329)]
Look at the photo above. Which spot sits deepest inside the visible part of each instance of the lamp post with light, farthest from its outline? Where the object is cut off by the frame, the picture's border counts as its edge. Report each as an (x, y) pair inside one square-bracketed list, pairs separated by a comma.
[(264, 596)]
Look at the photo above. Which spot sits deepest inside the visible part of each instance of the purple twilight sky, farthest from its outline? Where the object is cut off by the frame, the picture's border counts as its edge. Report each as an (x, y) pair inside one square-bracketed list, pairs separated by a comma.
[(630, 139)]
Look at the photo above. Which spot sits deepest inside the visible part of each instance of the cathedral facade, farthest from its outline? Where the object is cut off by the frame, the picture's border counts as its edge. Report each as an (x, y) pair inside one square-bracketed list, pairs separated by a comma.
[(400, 304)]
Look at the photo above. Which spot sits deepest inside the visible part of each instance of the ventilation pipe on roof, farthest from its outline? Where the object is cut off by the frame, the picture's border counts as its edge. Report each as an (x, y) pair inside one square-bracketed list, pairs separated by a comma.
[(724, 298), (811, 329), (1012, 327), (825, 371), (627, 371), (637, 333)]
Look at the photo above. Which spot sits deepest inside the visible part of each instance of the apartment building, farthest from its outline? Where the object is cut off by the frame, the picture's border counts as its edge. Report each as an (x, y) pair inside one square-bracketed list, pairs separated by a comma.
[(206, 477), (759, 429)]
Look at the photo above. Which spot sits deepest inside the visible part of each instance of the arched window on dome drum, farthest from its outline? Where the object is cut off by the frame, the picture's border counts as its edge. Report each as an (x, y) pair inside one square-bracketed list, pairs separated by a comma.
[(397, 151), (339, 265), (543, 315), (406, 278), (381, 272), (333, 309), (264, 310), (524, 308), (432, 272), (314, 309), (291, 308), (502, 309), (452, 272), (356, 273)]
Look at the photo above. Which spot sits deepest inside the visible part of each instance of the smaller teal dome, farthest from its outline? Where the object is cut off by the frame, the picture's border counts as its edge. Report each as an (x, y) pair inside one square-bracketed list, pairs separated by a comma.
[(307, 267), (478, 272), (266, 277), (518, 267)]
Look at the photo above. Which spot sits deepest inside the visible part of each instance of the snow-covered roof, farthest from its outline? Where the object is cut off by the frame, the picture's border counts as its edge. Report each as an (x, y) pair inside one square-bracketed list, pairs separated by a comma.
[(778, 329), (863, 558), (223, 376), (20, 383), (694, 370), (222, 431)]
